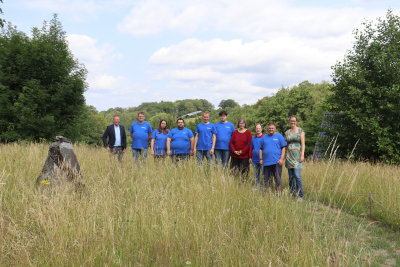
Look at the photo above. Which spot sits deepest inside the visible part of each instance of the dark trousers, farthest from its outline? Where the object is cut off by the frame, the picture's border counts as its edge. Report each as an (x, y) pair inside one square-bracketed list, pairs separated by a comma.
[(117, 150), (240, 166), (276, 171), (179, 157)]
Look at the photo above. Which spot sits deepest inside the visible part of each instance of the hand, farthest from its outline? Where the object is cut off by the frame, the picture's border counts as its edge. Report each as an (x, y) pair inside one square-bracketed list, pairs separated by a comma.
[(301, 159), (108, 149), (280, 162), (192, 152), (152, 152), (237, 152), (240, 152), (123, 151), (261, 162), (212, 151), (169, 153), (249, 161)]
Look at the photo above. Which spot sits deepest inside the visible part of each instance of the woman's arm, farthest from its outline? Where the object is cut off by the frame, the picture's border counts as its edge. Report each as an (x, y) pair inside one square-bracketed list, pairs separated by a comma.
[(303, 145)]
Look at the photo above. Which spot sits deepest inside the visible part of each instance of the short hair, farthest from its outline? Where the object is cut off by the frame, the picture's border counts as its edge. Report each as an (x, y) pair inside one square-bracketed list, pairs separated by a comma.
[(271, 123), (223, 112), (116, 115), (242, 120), (206, 112), (293, 116), (141, 113), (180, 119), (256, 127)]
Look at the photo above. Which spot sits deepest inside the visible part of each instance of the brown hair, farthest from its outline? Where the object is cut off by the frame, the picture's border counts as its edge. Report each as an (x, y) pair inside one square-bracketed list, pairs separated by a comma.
[(242, 120), (223, 112), (165, 130)]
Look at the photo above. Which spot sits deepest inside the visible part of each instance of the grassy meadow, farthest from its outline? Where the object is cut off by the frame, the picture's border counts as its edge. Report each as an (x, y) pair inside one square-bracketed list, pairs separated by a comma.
[(161, 214)]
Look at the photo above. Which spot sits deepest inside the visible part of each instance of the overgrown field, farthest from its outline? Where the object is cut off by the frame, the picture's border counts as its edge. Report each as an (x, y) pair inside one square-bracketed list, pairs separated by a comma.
[(163, 214)]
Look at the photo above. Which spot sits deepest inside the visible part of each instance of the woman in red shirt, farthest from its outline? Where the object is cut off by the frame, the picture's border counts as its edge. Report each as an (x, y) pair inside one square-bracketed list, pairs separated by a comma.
[(240, 148)]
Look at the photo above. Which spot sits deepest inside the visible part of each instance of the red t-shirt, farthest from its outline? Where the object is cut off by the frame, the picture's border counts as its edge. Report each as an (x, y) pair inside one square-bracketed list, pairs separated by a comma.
[(240, 141)]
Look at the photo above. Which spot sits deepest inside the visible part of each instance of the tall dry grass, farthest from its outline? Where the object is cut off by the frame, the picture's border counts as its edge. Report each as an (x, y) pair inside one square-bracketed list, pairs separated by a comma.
[(166, 214)]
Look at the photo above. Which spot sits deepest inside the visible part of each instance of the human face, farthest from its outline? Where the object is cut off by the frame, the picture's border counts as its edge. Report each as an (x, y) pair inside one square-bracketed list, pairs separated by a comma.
[(180, 124), (222, 118), (258, 129), (242, 125), (271, 129), (293, 122), (116, 120), (206, 118), (163, 125), (140, 118)]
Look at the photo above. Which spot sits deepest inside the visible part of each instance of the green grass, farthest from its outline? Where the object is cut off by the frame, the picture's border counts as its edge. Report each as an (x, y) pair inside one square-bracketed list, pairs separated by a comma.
[(165, 214)]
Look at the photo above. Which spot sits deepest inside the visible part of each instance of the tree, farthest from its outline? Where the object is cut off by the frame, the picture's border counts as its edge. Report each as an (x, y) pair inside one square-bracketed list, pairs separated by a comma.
[(366, 92), (228, 103), (2, 21), (41, 84)]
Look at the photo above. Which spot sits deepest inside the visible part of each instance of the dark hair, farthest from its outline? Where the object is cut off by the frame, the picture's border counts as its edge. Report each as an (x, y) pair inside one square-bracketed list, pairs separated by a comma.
[(223, 112), (141, 112), (242, 120), (180, 119), (271, 123), (293, 116), (165, 131)]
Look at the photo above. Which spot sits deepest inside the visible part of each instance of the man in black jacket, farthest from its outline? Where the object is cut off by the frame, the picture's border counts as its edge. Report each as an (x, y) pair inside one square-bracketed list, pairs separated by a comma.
[(116, 138)]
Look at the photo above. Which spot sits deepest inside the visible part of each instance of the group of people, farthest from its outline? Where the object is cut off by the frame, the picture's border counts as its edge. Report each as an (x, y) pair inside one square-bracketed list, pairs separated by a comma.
[(266, 152)]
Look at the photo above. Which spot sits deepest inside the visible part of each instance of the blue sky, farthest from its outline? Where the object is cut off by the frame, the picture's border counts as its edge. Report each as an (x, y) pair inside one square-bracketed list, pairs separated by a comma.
[(153, 50)]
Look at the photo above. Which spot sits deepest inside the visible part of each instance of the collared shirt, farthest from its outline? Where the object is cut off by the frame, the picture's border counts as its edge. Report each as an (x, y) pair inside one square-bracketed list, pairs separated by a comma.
[(117, 136)]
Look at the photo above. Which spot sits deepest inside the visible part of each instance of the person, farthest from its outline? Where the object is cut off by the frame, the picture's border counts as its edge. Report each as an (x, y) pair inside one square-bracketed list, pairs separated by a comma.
[(204, 141), (116, 143), (158, 145), (295, 138), (272, 153), (140, 132), (180, 142), (255, 153), (224, 131), (240, 147)]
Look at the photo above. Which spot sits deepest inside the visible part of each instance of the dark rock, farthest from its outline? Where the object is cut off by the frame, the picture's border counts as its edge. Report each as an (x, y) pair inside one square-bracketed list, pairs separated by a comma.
[(61, 165)]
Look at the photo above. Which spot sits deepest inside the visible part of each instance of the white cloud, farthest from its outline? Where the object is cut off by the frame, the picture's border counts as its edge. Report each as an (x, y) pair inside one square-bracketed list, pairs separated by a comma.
[(256, 19)]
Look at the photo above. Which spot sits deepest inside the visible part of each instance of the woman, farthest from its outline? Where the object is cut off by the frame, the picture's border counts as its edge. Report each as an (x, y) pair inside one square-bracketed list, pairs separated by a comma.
[(255, 153), (158, 144), (295, 139), (240, 147)]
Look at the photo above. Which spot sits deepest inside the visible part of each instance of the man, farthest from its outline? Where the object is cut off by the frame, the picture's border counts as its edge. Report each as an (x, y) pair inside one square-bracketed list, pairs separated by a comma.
[(224, 131), (204, 142), (140, 132), (180, 142), (272, 153), (116, 135)]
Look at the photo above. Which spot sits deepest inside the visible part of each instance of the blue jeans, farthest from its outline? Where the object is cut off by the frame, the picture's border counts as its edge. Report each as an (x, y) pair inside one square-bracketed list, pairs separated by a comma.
[(295, 183), (141, 152), (222, 155), (200, 154), (257, 172)]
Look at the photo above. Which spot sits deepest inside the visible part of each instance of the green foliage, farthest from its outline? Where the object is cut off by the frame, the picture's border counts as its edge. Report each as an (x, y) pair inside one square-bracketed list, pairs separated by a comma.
[(366, 92), (228, 103), (41, 84)]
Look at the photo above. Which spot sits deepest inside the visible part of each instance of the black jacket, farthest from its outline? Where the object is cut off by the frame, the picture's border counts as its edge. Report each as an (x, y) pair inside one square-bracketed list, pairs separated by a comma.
[(110, 133)]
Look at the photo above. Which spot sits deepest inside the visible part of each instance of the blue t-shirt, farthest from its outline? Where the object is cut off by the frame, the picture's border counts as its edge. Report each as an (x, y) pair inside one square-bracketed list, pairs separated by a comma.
[(160, 142), (256, 144), (205, 132), (272, 148), (180, 140), (224, 134), (140, 134)]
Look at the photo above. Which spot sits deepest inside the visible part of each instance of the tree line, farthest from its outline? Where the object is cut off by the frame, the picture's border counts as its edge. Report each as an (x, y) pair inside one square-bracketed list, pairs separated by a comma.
[(42, 86)]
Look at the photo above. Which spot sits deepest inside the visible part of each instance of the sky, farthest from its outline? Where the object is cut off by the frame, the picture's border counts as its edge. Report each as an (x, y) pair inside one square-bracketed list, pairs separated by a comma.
[(153, 50)]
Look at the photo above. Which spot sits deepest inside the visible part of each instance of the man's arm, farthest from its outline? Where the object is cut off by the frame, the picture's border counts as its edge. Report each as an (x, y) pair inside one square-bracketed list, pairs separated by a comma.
[(152, 146), (196, 139), (123, 139), (192, 146), (280, 161), (214, 138), (169, 146), (261, 156), (105, 135)]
